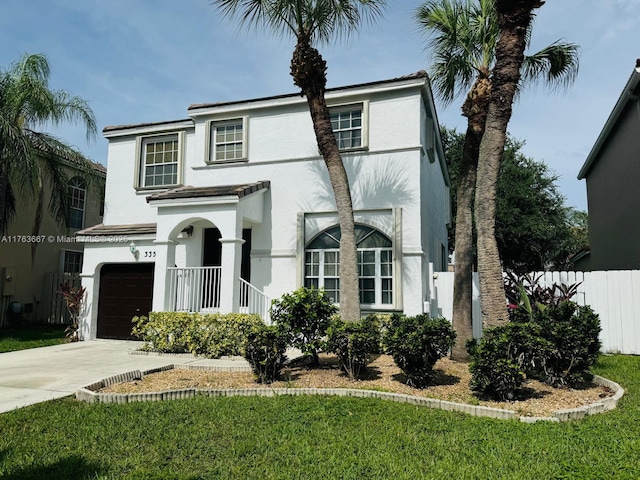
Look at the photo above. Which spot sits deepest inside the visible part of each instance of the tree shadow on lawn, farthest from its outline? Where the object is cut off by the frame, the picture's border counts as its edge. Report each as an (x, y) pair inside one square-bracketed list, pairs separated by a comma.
[(74, 466)]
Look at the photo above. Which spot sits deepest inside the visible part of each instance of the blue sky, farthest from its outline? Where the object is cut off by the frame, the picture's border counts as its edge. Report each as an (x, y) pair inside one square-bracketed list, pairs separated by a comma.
[(147, 60)]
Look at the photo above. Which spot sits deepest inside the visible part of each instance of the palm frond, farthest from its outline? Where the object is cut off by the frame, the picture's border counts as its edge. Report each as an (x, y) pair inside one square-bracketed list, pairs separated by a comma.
[(258, 14), (451, 31), (556, 65), (318, 20), (462, 37), (29, 157)]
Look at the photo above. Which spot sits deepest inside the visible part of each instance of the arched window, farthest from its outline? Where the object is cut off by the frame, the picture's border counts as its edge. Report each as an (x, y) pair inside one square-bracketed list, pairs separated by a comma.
[(375, 265), (77, 196)]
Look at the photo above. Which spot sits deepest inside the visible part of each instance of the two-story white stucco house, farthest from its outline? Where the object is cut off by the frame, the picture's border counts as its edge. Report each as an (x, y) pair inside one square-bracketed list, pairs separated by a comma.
[(233, 205)]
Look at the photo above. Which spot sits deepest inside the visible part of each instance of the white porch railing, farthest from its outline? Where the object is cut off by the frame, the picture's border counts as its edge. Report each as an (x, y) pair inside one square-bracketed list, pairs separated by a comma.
[(253, 300), (197, 289), (194, 289)]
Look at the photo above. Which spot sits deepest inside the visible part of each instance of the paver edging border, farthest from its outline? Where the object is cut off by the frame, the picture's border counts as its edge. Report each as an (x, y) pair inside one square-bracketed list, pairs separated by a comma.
[(150, 353), (90, 394)]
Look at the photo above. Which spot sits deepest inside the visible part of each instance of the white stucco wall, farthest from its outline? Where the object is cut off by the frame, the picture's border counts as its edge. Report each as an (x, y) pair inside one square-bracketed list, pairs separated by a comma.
[(393, 184)]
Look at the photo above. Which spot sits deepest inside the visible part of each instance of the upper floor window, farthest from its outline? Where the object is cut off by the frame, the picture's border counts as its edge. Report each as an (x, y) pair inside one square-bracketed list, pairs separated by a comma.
[(228, 140), (160, 157), (77, 198), (347, 125)]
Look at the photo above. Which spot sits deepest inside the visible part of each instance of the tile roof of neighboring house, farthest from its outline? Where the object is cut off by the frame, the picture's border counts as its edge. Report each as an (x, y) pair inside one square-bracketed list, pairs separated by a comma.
[(412, 76), (217, 191), (629, 93), (132, 229), (70, 160)]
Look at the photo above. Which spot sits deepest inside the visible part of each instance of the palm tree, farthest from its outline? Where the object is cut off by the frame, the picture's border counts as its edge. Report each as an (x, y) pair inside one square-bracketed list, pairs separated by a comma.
[(31, 159), (514, 19), (463, 36), (313, 22)]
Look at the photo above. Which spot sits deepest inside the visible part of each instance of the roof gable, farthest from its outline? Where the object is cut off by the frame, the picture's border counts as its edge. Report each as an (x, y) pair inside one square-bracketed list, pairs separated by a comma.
[(629, 93)]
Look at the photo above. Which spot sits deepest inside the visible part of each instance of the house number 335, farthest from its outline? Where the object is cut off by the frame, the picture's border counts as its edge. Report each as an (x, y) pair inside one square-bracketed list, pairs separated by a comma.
[(149, 254)]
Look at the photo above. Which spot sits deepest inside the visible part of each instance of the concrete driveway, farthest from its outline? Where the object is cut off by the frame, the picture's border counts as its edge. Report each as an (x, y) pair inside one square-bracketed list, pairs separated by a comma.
[(40, 374)]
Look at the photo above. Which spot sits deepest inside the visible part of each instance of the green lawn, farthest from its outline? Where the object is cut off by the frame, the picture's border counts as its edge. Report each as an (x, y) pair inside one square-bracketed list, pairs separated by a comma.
[(316, 437), (12, 339)]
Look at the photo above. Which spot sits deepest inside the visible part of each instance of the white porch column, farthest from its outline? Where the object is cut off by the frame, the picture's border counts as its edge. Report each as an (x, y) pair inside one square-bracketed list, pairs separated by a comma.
[(229, 283), (165, 257)]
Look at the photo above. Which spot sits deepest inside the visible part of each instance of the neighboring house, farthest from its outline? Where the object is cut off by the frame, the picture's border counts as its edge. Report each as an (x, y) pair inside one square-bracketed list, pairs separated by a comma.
[(32, 266), (232, 206), (612, 172)]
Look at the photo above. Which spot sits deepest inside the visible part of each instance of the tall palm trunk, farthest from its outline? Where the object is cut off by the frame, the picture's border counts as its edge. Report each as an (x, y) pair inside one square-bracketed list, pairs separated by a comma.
[(308, 70), (37, 221), (4, 185), (475, 110), (514, 17)]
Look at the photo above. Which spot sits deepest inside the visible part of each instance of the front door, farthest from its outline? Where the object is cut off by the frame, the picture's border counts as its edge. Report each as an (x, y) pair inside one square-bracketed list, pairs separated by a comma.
[(212, 257)]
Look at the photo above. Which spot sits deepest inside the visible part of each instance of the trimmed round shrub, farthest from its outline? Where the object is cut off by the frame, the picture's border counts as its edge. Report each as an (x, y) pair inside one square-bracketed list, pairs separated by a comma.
[(503, 356), (574, 332), (354, 343), (265, 352), (305, 314), (416, 344)]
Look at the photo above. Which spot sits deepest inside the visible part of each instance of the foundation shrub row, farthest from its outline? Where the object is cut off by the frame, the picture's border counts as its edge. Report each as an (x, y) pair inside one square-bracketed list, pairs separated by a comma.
[(210, 335), (556, 342)]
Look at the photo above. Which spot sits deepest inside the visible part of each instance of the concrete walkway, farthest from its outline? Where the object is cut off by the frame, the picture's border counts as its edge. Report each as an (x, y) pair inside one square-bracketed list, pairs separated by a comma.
[(41, 374)]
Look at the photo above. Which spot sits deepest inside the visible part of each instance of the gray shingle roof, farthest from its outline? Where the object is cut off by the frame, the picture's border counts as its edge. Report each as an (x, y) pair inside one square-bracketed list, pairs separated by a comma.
[(217, 191), (131, 229)]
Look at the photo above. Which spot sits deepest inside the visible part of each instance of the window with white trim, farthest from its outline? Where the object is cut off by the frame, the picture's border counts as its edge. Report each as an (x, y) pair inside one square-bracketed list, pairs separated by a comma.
[(375, 265), (227, 140), (71, 261), (160, 161), (77, 199), (346, 123)]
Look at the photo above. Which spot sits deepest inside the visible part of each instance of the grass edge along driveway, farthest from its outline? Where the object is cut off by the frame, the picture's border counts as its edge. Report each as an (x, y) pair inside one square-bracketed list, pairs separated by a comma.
[(14, 339)]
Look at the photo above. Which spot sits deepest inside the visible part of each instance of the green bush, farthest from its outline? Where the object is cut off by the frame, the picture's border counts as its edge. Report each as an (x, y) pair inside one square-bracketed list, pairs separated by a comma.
[(416, 344), (558, 346), (503, 356), (305, 314), (216, 335), (265, 351), (164, 332), (354, 343), (210, 335), (574, 333)]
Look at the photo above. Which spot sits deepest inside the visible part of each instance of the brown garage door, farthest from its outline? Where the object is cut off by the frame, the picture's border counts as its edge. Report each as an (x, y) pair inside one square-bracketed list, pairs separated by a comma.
[(126, 290)]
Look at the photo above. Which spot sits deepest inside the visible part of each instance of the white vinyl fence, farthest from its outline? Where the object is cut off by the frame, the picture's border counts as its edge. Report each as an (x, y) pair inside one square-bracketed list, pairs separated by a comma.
[(613, 294)]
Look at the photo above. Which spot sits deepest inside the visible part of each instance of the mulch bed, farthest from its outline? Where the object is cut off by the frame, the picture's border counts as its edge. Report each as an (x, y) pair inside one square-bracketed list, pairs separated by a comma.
[(451, 383)]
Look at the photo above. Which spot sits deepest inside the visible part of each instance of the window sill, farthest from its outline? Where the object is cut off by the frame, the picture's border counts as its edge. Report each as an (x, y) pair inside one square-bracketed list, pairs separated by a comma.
[(226, 162), (146, 190), (354, 150)]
